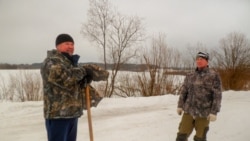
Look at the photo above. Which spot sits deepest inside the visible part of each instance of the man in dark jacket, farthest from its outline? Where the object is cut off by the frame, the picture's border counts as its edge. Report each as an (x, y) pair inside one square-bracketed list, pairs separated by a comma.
[(63, 101), (200, 100)]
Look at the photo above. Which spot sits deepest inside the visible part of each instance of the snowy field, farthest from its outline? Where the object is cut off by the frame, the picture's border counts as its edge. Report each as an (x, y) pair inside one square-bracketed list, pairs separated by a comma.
[(129, 119), (125, 119)]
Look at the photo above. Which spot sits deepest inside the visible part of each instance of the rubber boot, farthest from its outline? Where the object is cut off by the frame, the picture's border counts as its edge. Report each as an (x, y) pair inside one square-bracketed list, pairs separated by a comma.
[(181, 137)]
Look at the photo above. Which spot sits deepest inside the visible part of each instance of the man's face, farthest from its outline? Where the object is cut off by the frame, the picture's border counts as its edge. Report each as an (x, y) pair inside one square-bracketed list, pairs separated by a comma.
[(67, 47), (201, 62)]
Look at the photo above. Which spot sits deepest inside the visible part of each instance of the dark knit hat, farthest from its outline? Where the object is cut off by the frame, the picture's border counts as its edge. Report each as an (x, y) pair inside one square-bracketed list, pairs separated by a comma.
[(63, 38), (203, 55)]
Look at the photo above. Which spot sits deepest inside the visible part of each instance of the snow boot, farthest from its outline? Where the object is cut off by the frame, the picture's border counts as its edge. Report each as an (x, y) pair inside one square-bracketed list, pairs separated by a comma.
[(181, 137), (199, 139)]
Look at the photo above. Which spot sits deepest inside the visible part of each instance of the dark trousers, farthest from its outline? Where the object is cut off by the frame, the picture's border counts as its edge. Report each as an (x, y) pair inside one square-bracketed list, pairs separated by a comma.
[(61, 129)]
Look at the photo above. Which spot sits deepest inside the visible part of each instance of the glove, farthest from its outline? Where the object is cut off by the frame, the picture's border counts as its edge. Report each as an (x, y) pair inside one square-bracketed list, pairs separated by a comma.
[(89, 75), (211, 117), (179, 111)]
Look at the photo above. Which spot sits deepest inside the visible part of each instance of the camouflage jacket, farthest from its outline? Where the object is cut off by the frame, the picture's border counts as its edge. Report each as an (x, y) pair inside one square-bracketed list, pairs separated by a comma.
[(64, 88), (201, 93)]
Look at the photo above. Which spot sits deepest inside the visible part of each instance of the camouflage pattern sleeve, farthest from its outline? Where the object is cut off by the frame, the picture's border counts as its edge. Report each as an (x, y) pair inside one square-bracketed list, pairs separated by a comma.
[(217, 95), (62, 76), (183, 93), (95, 97), (99, 74)]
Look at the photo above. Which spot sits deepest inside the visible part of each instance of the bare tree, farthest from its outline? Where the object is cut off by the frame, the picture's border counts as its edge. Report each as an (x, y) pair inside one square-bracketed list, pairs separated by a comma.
[(32, 86), (24, 85), (100, 16), (115, 33), (16, 83), (159, 60), (125, 34), (4, 89), (126, 87), (233, 61)]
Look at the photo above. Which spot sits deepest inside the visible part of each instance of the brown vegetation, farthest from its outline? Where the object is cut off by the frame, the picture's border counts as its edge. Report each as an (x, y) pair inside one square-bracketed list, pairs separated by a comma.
[(233, 62)]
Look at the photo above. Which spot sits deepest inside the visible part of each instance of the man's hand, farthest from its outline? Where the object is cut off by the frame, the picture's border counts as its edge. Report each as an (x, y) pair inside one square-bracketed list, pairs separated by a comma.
[(98, 73), (179, 111), (89, 75), (211, 117)]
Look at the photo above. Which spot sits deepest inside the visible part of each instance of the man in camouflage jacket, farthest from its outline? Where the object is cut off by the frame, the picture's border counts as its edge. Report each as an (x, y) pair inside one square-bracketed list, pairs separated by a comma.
[(200, 100), (64, 92)]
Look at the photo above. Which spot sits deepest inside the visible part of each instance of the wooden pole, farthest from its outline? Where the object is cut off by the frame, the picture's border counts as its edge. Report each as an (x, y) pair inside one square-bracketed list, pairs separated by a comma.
[(89, 113)]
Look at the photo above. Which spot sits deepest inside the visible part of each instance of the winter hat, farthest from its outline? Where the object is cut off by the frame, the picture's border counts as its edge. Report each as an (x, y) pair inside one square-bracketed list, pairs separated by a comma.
[(203, 55), (63, 38)]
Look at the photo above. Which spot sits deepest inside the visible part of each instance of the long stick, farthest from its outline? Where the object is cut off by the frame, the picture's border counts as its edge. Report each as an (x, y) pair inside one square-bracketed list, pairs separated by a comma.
[(89, 114)]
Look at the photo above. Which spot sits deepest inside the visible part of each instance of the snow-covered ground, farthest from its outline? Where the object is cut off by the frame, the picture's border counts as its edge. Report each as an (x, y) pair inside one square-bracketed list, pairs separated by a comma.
[(129, 119)]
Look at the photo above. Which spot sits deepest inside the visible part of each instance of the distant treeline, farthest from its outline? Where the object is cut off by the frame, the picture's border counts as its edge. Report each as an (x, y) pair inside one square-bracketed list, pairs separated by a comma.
[(124, 67), (20, 66)]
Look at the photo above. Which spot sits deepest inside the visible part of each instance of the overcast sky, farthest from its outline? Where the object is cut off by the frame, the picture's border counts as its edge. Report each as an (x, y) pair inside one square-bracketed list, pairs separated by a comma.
[(28, 28)]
